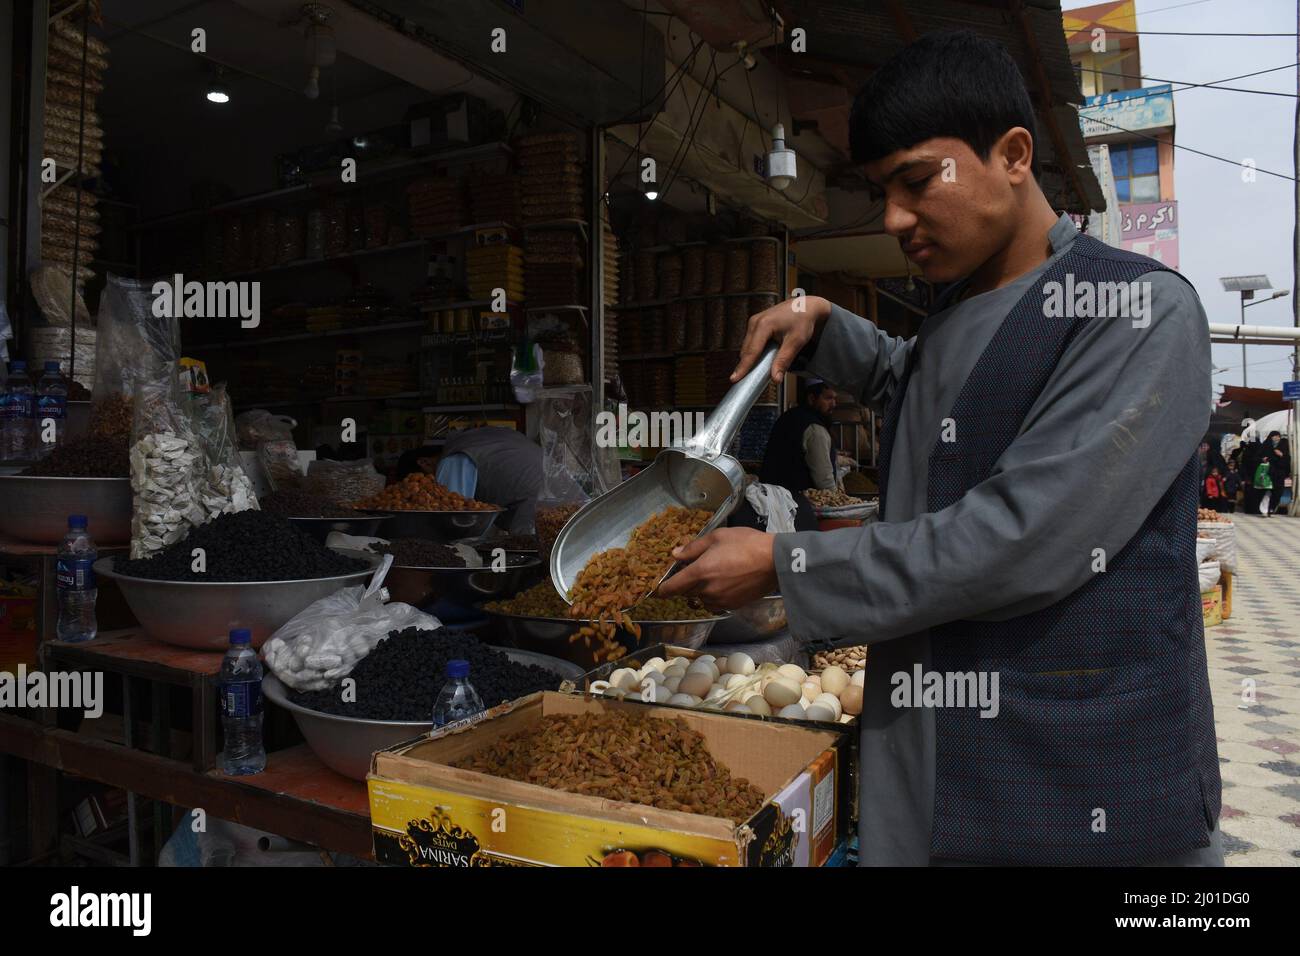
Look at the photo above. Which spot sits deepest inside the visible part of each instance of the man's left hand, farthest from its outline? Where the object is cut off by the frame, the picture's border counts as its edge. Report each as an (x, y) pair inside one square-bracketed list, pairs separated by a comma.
[(728, 568)]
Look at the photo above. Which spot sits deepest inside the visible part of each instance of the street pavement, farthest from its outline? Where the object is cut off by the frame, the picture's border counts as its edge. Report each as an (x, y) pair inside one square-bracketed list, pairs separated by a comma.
[(1259, 741)]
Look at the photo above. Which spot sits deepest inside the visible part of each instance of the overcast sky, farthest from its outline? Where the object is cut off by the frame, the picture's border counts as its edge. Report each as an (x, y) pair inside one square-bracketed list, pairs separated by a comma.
[(1228, 227)]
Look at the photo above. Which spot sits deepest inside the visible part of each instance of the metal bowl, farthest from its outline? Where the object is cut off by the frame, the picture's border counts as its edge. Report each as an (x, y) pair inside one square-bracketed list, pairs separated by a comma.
[(345, 744), (468, 586), (550, 635), (37, 509), (753, 622), (440, 526), (320, 528), (421, 586), (200, 614)]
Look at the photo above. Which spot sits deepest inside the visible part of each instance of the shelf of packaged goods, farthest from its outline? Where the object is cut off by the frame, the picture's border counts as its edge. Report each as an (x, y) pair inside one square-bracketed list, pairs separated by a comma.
[(464, 304), (410, 244), (304, 336), (367, 174), (579, 224)]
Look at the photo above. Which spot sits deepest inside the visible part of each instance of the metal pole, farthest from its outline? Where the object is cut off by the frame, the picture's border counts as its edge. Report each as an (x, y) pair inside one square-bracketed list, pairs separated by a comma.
[(1243, 344), (1294, 508)]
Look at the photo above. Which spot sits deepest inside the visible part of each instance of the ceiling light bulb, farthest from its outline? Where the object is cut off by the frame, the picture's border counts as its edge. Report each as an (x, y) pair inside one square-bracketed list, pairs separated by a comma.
[(781, 167), (217, 94), (652, 194), (312, 89)]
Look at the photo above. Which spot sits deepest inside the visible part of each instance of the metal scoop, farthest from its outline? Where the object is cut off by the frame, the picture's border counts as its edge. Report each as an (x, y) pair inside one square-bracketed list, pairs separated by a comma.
[(698, 474)]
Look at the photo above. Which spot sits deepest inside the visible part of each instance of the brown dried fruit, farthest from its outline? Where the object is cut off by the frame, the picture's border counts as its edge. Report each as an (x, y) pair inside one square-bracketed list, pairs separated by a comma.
[(659, 762)]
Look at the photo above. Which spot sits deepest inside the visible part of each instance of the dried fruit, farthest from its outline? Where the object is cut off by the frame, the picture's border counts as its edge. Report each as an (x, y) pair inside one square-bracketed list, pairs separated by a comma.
[(619, 577), (659, 762), (420, 492)]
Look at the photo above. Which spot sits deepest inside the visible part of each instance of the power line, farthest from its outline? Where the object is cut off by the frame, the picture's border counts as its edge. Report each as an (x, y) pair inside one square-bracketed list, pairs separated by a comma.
[(1187, 84), (1186, 33), (1232, 162)]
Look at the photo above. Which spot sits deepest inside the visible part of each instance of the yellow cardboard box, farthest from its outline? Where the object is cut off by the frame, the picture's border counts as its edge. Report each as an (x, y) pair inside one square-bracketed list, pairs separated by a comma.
[(1212, 606), (425, 812)]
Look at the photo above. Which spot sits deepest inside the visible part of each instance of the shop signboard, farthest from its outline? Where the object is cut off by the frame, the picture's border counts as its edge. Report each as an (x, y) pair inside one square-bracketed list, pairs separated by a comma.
[(1147, 108), (1151, 229), (1291, 391)]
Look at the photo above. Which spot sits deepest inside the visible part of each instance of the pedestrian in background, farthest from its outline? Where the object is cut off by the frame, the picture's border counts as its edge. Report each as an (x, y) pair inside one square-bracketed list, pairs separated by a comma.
[(1231, 485)]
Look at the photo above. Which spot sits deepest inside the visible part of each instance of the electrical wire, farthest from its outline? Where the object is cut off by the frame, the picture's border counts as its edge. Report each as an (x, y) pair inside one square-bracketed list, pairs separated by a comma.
[(690, 141), (1189, 149), (692, 124), (1183, 33), (678, 73), (1212, 85)]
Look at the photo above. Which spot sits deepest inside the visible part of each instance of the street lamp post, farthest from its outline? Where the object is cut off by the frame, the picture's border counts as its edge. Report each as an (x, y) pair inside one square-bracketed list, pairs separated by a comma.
[(1244, 306)]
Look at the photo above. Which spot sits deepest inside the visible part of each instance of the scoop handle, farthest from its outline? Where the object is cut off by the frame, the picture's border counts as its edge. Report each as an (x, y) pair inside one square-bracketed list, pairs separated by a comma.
[(712, 440)]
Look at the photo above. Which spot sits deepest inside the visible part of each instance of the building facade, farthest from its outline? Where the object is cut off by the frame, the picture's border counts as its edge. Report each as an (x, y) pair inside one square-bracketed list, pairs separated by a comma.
[(1134, 122)]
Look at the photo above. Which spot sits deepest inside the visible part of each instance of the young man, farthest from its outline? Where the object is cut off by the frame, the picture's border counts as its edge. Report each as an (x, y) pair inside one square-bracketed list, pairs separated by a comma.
[(1071, 722), (800, 454)]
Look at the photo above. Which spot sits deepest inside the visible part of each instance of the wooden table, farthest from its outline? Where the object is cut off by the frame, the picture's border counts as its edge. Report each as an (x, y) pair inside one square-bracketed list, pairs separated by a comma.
[(296, 796)]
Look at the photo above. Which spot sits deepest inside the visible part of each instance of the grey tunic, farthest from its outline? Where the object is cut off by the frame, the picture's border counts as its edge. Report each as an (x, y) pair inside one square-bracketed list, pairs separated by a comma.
[(1117, 421), (509, 467)]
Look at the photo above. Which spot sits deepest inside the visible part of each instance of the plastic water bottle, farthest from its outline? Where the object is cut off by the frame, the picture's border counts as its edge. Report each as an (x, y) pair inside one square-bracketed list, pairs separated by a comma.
[(240, 687), (19, 408), (458, 699), (74, 574), (51, 407)]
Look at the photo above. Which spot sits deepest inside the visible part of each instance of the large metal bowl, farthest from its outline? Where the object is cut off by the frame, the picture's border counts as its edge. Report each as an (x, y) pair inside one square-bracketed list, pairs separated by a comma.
[(345, 744), (36, 509), (366, 526), (421, 586), (440, 526), (753, 622), (551, 635), (200, 614)]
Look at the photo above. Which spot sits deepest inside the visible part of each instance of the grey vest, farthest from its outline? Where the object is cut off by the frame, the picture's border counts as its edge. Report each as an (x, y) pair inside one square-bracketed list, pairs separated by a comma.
[(1103, 751)]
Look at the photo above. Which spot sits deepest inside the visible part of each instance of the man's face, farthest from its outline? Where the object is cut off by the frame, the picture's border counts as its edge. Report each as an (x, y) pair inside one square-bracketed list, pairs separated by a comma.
[(950, 210), (825, 402)]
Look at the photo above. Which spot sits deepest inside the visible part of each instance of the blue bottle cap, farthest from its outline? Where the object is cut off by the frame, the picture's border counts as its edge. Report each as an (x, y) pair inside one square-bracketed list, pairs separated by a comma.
[(458, 668), (241, 635), (18, 365), (51, 366), (77, 522)]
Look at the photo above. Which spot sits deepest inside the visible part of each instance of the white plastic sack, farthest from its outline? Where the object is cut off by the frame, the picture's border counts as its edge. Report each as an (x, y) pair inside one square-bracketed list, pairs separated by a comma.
[(321, 644), (774, 503), (1224, 534), (1206, 549), (1209, 573)]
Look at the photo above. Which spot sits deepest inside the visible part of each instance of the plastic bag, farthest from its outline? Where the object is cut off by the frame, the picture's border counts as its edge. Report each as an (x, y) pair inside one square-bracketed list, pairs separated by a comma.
[(1224, 534), (321, 644), (280, 462), (226, 486), (343, 481), (527, 373), (1209, 574), (574, 468), (134, 346), (167, 469), (259, 425)]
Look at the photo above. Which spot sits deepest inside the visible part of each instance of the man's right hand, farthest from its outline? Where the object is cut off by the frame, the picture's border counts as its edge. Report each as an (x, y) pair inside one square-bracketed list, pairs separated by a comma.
[(793, 323)]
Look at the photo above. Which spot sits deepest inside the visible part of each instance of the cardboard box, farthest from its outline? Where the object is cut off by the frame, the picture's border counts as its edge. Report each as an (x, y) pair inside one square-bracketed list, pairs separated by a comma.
[(1212, 606), (426, 813), (1227, 581)]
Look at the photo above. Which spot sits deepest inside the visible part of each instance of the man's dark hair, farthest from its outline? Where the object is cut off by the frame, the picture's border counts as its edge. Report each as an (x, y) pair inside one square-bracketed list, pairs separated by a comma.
[(954, 84), (814, 390)]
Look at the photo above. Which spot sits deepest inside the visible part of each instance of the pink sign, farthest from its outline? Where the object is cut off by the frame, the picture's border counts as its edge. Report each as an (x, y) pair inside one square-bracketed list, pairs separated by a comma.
[(1151, 229)]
